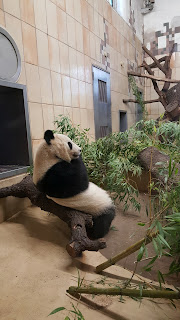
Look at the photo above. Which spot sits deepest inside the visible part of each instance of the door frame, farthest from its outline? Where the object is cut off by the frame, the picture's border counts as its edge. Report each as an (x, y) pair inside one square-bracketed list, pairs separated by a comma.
[(101, 69)]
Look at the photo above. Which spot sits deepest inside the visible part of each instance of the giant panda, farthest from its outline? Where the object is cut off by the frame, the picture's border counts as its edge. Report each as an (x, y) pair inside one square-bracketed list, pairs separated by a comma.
[(60, 173)]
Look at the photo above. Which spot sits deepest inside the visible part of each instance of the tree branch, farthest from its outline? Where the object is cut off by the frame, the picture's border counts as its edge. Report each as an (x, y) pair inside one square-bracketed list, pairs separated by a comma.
[(156, 88), (136, 101), (172, 109), (154, 65), (136, 74), (77, 220), (154, 59), (168, 73), (168, 69)]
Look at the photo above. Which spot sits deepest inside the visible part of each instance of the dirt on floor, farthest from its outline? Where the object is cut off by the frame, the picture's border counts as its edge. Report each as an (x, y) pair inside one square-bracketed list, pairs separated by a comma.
[(36, 271), (124, 232)]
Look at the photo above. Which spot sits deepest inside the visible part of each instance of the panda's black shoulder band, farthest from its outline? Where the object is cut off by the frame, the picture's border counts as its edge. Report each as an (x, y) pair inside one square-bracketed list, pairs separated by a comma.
[(48, 136)]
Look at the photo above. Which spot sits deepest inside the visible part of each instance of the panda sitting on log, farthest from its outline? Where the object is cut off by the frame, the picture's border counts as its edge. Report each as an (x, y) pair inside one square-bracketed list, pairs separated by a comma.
[(60, 173)]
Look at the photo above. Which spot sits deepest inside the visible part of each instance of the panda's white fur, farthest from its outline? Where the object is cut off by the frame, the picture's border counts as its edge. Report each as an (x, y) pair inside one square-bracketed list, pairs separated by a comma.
[(60, 173), (49, 154), (93, 200)]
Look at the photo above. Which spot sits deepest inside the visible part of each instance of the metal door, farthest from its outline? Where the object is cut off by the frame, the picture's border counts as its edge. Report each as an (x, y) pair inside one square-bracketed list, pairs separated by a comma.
[(102, 103)]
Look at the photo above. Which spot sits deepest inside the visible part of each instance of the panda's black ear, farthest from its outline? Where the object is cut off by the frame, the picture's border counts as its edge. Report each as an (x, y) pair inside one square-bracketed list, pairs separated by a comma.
[(48, 135)]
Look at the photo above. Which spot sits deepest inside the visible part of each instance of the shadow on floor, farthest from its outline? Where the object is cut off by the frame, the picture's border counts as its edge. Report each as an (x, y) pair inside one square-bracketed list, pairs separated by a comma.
[(40, 226)]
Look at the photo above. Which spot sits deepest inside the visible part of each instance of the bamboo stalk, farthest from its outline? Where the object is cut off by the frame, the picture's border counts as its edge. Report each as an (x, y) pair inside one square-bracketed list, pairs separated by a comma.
[(136, 246), (164, 294)]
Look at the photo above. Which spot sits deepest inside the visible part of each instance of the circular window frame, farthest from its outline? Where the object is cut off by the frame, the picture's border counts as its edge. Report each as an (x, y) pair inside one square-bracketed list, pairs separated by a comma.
[(15, 77)]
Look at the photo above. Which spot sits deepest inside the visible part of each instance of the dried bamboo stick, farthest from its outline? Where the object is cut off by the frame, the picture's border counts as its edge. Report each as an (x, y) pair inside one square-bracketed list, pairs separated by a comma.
[(164, 294)]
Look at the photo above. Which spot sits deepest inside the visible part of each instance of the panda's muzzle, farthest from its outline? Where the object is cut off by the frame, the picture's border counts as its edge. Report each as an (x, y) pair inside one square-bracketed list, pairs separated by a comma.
[(76, 154)]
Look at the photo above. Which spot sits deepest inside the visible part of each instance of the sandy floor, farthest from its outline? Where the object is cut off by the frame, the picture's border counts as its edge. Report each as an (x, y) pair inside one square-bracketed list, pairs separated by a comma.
[(35, 272)]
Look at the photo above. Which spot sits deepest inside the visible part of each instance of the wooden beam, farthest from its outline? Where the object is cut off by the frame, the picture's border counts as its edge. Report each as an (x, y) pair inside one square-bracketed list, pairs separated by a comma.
[(155, 85), (154, 59), (168, 71), (133, 73), (145, 102), (153, 65)]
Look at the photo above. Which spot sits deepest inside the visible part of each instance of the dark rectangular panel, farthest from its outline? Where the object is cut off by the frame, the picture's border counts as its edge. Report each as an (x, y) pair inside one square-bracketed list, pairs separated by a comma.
[(102, 103), (102, 91), (13, 137), (123, 121), (103, 131), (15, 141)]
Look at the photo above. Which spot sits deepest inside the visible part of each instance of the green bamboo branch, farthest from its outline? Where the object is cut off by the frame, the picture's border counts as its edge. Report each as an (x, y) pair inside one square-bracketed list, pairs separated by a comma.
[(164, 294), (136, 246)]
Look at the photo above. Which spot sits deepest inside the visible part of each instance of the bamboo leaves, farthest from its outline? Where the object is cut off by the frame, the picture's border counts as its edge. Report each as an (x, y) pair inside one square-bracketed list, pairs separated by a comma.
[(141, 252), (75, 311), (56, 310), (110, 162)]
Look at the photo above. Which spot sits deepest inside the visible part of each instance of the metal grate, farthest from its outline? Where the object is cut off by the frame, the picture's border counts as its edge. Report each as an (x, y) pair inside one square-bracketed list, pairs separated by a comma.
[(103, 131), (102, 102), (102, 91)]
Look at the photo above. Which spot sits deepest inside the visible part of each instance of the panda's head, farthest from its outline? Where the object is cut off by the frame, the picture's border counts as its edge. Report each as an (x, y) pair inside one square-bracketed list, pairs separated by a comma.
[(61, 147)]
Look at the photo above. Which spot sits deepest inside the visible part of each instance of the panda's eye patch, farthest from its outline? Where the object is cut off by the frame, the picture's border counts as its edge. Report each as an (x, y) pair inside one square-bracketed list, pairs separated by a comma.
[(70, 145)]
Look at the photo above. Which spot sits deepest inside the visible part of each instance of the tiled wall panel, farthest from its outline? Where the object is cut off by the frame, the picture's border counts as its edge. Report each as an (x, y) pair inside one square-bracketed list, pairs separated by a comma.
[(59, 41)]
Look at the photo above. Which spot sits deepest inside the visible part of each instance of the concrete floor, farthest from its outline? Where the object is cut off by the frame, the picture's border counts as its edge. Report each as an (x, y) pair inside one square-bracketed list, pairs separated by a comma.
[(35, 272)]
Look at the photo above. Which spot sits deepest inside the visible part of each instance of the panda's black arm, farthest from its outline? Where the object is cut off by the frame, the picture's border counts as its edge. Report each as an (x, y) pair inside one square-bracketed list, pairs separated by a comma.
[(64, 180), (77, 221)]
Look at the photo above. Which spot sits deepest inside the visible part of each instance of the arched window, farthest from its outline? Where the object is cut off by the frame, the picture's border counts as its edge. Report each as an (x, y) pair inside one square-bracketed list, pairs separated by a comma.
[(10, 60)]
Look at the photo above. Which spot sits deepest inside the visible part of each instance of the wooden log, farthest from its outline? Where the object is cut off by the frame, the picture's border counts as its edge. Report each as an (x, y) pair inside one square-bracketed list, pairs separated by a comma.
[(79, 222), (150, 164), (79, 240)]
